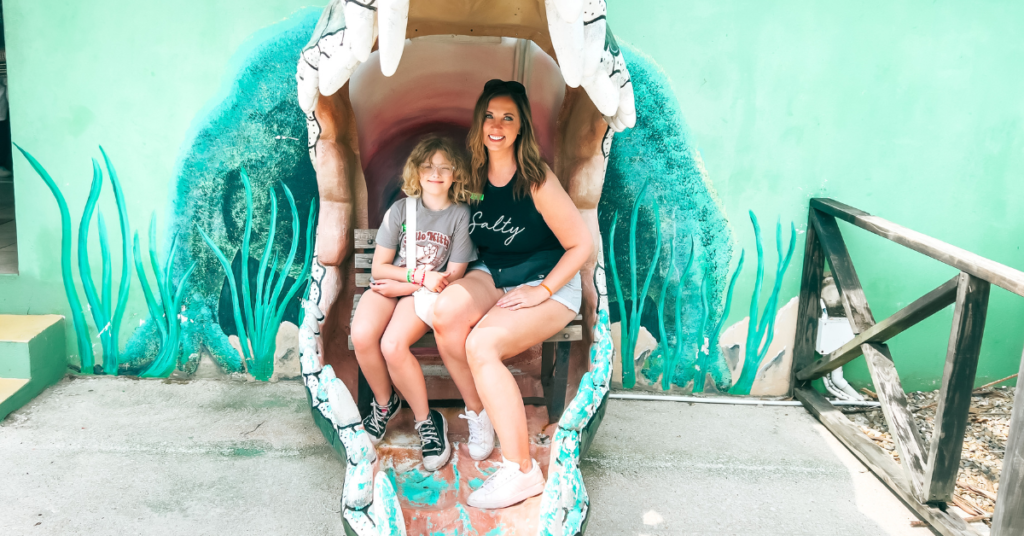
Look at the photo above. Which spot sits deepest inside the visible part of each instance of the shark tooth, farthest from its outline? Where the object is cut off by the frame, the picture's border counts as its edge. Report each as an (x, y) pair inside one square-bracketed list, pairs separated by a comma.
[(392, 21)]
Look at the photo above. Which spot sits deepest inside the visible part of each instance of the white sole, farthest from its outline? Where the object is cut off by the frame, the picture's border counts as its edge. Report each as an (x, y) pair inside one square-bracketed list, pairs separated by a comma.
[(515, 499), (447, 450), (480, 459)]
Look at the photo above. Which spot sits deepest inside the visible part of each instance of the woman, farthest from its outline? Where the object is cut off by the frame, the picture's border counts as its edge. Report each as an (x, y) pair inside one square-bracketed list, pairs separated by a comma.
[(525, 288)]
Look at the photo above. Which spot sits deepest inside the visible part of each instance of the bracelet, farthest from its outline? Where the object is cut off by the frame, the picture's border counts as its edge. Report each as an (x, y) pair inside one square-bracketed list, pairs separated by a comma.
[(408, 275), (550, 294)]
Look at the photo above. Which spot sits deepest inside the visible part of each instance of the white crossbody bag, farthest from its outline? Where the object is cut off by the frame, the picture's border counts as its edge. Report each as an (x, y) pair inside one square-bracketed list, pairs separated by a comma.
[(423, 299)]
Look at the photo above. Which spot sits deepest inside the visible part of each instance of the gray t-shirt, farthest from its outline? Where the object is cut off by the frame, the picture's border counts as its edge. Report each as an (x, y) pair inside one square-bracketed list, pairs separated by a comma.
[(441, 235)]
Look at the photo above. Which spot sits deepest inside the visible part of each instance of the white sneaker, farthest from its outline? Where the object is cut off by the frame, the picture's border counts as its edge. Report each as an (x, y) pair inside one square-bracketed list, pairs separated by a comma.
[(508, 486), (481, 434)]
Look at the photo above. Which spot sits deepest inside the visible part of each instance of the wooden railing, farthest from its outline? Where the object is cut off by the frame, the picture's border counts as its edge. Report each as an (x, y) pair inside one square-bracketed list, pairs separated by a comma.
[(924, 478)]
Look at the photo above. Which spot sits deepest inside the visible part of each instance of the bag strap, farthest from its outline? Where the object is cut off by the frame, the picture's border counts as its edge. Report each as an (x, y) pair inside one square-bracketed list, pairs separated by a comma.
[(410, 233)]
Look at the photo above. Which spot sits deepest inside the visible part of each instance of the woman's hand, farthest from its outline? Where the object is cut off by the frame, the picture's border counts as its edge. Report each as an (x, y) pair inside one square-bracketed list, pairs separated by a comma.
[(436, 281), (523, 296), (389, 288)]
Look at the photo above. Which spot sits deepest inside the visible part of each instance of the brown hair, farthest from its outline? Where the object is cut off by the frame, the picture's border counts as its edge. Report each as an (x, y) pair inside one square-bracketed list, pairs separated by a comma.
[(532, 170), (424, 151)]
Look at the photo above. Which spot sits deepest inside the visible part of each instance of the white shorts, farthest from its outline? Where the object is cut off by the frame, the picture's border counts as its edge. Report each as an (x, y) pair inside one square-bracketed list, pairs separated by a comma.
[(423, 302)]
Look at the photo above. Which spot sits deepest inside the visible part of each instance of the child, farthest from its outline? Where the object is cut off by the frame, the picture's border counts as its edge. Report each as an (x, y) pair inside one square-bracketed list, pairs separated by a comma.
[(398, 308)]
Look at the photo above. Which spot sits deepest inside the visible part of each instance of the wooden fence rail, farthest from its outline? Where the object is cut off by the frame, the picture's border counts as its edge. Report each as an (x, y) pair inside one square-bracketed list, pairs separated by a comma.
[(925, 478)]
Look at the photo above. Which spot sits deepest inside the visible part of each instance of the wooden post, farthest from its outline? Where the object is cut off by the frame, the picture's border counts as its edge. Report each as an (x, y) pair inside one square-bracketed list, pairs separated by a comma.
[(957, 383), (547, 370), (809, 309), (1009, 515), (883, 371), (560, 381)]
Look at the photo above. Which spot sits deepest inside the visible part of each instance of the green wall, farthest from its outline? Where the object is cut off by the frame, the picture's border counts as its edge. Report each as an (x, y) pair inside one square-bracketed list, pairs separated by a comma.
[(911, 112), (130, 76)]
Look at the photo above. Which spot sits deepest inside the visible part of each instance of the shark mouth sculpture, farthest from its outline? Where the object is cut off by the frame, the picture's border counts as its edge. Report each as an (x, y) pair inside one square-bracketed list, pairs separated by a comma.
[(365, 109)]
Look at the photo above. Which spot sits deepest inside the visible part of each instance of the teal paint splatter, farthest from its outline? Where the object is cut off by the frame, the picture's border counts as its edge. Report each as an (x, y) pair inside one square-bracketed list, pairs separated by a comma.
[(497, 531), (420, 488), (475, 483), (660, 149)]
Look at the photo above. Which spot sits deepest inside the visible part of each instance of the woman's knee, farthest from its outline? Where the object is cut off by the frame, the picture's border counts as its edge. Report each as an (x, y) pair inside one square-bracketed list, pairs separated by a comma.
[(480, 350)]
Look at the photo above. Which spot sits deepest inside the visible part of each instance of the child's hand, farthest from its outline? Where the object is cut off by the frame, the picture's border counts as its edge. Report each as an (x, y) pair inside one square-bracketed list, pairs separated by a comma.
[(389, 288), (436, 281), (523, 296)]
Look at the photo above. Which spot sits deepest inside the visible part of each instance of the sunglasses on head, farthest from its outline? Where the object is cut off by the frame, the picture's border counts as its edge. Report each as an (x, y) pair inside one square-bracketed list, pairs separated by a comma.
[(511, 86)]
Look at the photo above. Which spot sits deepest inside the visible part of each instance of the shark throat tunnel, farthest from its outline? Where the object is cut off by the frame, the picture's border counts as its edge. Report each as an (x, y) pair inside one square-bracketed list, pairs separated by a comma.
[(434, 93)]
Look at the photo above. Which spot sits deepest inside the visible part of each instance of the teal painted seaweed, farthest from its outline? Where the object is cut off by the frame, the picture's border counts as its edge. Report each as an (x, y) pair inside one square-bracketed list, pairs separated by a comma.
[(672, 356), (163, 311), (107, 322), (761, 332), (108, 325), (259, 316), (78, 319), (629, 321)]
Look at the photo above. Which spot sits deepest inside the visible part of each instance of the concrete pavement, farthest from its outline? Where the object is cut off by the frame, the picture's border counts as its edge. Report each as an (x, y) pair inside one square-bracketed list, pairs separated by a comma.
[(122, 456)]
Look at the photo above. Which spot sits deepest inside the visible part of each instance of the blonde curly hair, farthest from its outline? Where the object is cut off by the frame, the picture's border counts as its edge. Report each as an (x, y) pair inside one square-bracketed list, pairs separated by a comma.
[(423, 152)]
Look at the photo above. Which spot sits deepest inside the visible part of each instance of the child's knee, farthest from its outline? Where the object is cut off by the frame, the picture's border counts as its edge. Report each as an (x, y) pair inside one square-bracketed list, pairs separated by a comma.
[(394, 349), (363, 339)]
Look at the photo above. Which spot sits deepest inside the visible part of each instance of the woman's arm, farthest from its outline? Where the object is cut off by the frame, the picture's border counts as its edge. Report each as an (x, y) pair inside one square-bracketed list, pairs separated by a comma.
[(565, 221)]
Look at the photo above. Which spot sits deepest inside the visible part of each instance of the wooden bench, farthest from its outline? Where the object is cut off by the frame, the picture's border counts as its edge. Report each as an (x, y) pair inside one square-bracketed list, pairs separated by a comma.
[(554, 351)]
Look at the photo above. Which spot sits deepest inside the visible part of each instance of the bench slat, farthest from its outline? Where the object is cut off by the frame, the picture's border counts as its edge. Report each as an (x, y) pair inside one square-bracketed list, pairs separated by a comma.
[(365, 238), (364, 260)]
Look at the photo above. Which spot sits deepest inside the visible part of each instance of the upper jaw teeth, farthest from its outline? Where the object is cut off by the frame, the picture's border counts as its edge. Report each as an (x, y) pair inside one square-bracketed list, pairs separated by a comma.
[(495, 138), (583, 44)]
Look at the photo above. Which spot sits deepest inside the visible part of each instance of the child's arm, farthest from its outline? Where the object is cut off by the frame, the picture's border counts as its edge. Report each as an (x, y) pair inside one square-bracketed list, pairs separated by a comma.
[(436, 281), (389, 279)]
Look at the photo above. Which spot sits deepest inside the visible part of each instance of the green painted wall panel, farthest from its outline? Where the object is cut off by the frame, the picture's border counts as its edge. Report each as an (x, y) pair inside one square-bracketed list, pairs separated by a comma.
[(911, 112)]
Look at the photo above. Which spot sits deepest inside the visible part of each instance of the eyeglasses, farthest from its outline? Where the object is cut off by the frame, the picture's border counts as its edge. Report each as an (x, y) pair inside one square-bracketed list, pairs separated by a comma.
[(442, 171), (511, 86)]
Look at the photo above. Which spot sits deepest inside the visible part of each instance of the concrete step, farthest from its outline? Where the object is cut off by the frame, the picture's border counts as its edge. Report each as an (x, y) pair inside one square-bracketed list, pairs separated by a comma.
[(33, 356)]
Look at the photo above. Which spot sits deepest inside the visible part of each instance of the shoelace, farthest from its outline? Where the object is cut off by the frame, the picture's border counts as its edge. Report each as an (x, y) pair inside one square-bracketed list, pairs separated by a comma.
[(504, 473), (476, 426), (428, 432), (379, 415)]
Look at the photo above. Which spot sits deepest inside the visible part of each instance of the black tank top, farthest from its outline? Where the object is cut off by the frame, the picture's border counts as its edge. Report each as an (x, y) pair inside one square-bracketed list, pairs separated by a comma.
[(513, 239)]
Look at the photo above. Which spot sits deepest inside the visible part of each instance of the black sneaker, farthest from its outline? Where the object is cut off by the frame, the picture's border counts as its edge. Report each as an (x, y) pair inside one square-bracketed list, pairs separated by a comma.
[(434, 440), (376, 422)]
